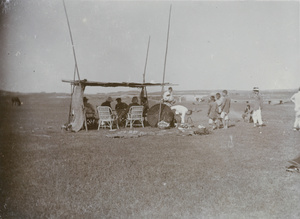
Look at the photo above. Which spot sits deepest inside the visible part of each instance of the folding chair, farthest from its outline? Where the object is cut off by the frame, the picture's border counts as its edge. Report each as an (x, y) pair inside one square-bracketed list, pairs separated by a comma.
[(135, 114), (106, 117)]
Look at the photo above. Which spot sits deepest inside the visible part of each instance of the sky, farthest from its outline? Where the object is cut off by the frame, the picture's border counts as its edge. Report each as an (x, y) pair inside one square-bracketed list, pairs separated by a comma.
[(232, 45)]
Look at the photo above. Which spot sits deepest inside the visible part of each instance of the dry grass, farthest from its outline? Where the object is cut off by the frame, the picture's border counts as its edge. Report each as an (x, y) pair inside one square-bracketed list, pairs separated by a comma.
[(234, 173)]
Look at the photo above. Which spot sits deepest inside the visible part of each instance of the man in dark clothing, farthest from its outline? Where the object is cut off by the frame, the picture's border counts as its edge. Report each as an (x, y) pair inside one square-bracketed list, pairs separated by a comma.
[(89, 108), (15, 101), (145, 105), (121, 109), (120, 105), (134, 102), (90, 112), (247, 115), (107, 102)]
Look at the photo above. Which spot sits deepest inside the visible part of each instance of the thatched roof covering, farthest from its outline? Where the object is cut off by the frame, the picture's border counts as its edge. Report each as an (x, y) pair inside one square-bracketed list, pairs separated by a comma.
[(114, 84)]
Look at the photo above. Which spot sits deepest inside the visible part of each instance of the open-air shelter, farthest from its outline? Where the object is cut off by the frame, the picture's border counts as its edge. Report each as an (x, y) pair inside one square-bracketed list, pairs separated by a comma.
[(76, 111)]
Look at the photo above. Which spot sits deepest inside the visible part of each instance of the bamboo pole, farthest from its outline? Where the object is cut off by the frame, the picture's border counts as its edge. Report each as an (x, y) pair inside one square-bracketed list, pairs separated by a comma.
[(74, 54), (76, 65), (165, 63), (144, 75)]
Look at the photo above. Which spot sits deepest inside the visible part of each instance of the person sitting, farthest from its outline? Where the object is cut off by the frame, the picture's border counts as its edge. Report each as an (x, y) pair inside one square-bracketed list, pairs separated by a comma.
[(134, 102), (121, 109), (247, 115), (168, 97), (145, 105), (89, 108), (90, 112), (107, 102)]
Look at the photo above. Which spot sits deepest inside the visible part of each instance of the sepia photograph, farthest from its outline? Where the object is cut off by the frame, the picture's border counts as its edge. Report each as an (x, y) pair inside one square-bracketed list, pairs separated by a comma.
[(149, 109)]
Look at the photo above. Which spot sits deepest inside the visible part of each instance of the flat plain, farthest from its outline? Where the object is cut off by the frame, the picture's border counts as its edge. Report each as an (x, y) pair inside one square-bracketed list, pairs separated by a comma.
[(240, 172)]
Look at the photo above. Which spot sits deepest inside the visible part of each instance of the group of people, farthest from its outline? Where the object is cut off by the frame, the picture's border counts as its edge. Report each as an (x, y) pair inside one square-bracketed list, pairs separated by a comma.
[(179, 111), (254, 114), (121, 108), (218, 110)]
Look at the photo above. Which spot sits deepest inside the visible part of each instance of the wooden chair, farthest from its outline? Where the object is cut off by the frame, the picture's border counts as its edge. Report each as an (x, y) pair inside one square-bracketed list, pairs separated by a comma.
[(106, 117), (135, 114)]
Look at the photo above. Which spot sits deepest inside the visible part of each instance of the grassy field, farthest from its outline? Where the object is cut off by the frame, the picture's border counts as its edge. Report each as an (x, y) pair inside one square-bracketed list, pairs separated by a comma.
[(235, 173)]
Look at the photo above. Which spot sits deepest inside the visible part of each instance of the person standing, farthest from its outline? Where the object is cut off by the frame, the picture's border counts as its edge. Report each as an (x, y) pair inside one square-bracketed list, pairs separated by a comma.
[(296, 99), (257, 108), (213, 113), (219, 101), (225, 108), (181, 111)]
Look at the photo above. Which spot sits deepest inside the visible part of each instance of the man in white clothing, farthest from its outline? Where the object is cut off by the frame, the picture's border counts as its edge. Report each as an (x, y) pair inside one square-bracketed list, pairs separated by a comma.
[(180, 110), (257, 108), (168, 96), (296, 99)]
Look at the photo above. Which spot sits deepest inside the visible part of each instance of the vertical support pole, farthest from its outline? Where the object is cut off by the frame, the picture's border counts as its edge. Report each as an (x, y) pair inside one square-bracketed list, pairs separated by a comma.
[(165, 63)]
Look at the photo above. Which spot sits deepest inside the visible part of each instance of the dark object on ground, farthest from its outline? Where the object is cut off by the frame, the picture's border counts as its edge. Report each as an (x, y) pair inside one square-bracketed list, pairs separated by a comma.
[(91, 123), (166, 114), (163, 125), (293, 169), (66, 126), (296, 165), (201, 131), (130, 134), (177, 118), (15, 101), (193, 131)]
